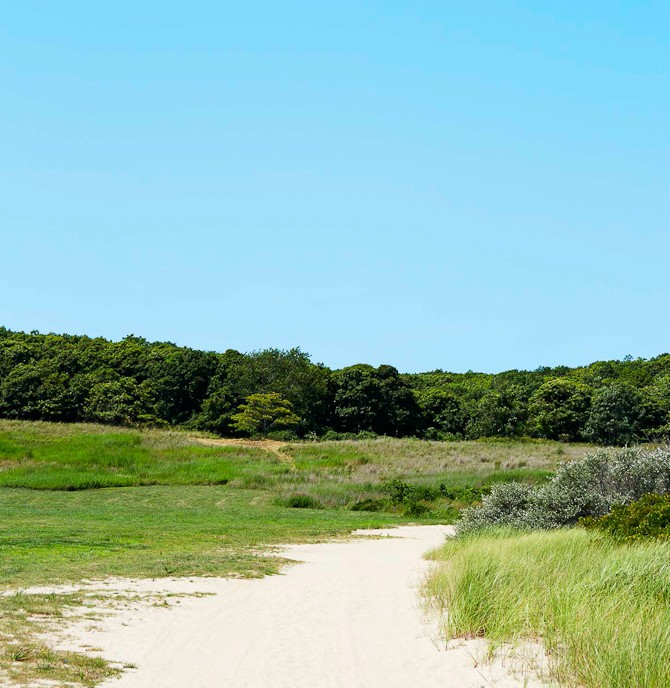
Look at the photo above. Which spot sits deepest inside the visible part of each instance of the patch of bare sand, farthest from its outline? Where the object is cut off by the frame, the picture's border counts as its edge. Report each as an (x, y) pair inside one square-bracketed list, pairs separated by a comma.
[(349, 616), (273, 446)]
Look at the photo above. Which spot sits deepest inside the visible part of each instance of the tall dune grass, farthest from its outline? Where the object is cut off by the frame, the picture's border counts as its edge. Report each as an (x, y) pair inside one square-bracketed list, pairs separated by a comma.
[(601, 608)]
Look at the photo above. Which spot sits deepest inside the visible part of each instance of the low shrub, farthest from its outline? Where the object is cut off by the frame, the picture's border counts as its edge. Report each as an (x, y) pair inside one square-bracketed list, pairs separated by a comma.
[(436, 435), (303, 501), (369, 505), (426, 493), (400, 491), (334, 436), (467, 495), (588, 487), (366, 435), (416, 509), (411, 496), (647, 517)]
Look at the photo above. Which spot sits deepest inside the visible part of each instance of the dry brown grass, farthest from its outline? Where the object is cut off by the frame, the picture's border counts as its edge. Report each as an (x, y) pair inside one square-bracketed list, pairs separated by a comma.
[(420, 457)]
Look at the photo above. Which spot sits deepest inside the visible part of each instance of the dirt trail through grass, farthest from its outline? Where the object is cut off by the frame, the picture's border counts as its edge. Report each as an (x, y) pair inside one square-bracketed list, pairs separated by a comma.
[(273, 446), (349, 616)]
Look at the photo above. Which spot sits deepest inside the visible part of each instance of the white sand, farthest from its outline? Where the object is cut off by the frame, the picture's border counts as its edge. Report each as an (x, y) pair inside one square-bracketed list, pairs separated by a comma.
[(349, 617)]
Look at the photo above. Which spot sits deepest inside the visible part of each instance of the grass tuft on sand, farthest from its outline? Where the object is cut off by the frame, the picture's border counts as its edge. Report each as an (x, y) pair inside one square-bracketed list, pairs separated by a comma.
[(26, 659)]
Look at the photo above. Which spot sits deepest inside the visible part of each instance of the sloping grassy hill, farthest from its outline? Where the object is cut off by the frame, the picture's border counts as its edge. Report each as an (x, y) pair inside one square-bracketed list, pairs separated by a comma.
[(77, 457), (164, 503)]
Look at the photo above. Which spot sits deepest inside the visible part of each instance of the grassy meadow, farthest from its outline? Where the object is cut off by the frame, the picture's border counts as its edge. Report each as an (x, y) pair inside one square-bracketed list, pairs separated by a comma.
[(88, 501), (91, 501)]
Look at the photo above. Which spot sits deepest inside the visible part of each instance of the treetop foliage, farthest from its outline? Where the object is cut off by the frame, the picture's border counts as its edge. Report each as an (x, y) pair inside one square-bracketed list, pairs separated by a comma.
[(262, 413), (133, 381)]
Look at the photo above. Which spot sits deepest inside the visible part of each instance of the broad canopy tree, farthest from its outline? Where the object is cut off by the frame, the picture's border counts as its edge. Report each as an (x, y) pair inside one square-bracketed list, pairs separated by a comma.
[(375, 400), (617, 415), (262, 413), (442, 413), (559, 409)]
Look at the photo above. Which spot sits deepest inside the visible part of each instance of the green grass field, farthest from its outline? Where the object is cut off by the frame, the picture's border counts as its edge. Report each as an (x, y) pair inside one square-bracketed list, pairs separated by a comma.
[(88, 502), (600, 607), (78, 457), (163, 504)]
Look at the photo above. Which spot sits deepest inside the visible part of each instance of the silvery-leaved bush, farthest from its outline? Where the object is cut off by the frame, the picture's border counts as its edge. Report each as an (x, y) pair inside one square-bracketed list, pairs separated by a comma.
[(587, 487)]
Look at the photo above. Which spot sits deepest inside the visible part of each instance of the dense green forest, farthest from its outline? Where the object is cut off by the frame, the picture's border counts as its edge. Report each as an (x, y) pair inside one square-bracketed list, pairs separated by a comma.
[(76, 378)]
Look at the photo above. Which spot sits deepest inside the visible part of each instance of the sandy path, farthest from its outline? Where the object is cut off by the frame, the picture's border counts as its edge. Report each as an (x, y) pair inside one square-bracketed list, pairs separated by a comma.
[(272, 446), (349, 617)]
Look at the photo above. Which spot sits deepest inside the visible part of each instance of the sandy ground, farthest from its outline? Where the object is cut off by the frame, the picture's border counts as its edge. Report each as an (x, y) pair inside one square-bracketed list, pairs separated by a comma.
[(273, 446), (350, 616)]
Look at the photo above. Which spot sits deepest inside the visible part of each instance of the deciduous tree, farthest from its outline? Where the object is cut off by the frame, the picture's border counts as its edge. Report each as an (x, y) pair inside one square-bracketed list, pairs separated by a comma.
[(262, 413)]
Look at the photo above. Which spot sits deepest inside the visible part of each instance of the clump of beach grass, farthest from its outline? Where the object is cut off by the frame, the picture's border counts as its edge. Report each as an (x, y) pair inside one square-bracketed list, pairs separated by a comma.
[(601, 608)]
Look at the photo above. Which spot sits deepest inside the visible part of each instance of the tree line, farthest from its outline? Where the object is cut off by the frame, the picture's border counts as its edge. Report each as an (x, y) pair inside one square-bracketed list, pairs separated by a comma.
[(71, 378)]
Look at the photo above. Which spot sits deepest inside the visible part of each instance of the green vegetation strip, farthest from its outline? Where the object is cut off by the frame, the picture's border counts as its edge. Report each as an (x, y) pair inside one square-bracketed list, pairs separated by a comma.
[(602, 608), (133, 382), (347, 474)]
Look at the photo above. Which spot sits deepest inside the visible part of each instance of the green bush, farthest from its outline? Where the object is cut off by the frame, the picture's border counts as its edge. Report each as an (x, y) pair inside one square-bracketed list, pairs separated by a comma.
[(647, 517), (411, 496), (334, 436), (303, 501), (468, 495), (366, 435), (331, 436), (416, 509), (400, 491), (426, 493)]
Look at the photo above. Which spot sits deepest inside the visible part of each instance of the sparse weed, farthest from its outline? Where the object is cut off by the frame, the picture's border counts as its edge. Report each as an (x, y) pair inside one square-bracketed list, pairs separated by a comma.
[(26, 660)]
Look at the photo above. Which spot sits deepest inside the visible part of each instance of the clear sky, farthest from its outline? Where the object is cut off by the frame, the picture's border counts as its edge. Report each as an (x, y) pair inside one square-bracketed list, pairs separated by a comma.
[(432, 184)]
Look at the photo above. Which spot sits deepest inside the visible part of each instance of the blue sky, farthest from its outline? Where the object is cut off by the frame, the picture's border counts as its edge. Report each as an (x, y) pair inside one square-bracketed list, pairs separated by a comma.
[(473, 185)]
